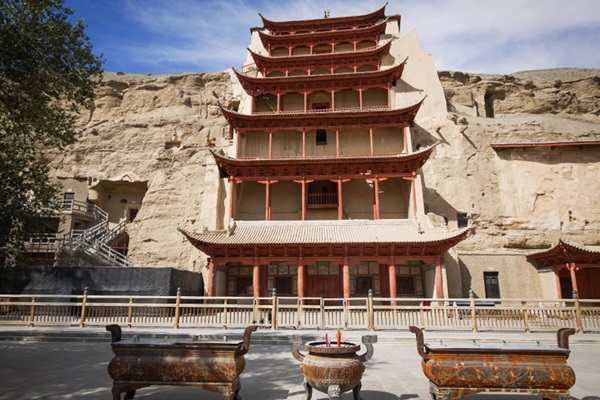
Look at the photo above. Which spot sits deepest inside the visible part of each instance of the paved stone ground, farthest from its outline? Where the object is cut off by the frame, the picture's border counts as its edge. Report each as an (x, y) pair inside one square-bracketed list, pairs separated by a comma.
[(67, 367)]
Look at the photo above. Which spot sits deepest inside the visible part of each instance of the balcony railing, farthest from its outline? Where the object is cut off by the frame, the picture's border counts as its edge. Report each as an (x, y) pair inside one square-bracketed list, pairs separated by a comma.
[(325, 110), (370, 313), (322, 200)]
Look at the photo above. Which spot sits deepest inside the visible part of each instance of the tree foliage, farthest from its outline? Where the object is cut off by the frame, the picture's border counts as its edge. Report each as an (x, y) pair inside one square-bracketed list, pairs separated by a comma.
[(47, 73)]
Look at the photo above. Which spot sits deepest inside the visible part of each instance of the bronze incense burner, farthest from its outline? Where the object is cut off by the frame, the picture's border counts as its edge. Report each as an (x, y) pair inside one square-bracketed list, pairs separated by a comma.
[(333, 370), (210, 365), (460, 370)]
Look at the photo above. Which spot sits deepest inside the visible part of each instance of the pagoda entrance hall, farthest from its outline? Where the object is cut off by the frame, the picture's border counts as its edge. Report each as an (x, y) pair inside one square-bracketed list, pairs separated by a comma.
[(326, 279)]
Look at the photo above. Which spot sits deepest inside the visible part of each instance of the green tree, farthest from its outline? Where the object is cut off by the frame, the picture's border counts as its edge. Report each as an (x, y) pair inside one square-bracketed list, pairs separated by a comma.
[(47, 73)]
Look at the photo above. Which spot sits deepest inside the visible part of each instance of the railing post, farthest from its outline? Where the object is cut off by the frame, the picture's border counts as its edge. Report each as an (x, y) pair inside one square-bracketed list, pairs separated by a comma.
[(254, 310), (371, 311), (299, 312), (345, 311), (224, 318), (32, 312), (577, 305), (473, 311), (177, 304), (130, 312), (526, 317), (274, 310), (422, 314), (322, 303), (83, 308)]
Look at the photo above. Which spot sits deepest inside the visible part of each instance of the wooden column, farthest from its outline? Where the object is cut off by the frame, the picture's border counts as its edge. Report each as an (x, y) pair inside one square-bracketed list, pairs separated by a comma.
[(413, 190), (406, 131), (376, 214), (303, 143), (392, 277), (256, 278), (305, 101), (300, 277), (340, 202), (278, 103), (270, 144), (371, 141), (303, 200), (231, 196), (337, 142), (346, 277), (572, 268), (237, 143), (210, 287), (389, 90), (332, 100), (439, 281), (360, 98), (268, 201)]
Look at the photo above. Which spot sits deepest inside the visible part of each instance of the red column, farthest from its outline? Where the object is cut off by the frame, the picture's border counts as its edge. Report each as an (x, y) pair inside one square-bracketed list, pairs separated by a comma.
[(392, 277), (572, 269), (414, 194), (210, 287), (305, 101), (346, 277), (278, 103), (439, 281), (371, 141), (268, 201), (376, 188), (270, 144), (237, 143), (360, 98), (232, 196), (340, 203), (332, 100), (303, 200), (337, 142), (256, 278), (303, 144), (300, 277)]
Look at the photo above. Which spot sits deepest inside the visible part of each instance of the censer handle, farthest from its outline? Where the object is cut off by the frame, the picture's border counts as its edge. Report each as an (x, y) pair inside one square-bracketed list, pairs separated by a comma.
[(296, 343), (368, 341)]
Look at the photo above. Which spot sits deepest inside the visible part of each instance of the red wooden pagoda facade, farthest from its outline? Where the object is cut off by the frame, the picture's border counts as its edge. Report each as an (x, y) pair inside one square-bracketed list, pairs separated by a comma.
[(322, 197)]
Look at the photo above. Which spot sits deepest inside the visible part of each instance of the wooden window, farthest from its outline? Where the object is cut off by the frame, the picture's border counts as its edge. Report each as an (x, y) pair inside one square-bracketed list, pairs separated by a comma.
[(405, 285), (243, 286), (363, 284), (492, 285)]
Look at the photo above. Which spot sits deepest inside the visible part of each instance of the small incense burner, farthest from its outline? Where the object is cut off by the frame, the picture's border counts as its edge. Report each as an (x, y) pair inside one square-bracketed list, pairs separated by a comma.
[(333, 370)]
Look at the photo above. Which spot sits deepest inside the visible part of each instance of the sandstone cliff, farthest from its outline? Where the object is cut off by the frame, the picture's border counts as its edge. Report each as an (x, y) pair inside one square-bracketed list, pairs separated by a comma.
[(160, 129)]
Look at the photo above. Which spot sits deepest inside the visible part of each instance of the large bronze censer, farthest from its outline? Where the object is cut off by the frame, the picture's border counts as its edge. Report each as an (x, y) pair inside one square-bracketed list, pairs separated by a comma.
[(459, 370), (333, 370)]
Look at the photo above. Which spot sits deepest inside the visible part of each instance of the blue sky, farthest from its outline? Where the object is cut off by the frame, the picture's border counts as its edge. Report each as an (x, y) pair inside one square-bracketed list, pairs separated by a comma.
[(486, 36)]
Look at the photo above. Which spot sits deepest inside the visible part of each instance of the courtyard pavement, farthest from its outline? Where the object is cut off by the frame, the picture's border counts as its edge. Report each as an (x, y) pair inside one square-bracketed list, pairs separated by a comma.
[(71, 363)]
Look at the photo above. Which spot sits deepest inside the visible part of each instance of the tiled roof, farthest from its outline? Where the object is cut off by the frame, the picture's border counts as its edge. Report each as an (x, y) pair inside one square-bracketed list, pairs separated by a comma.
[(566, 252), (326, 232)]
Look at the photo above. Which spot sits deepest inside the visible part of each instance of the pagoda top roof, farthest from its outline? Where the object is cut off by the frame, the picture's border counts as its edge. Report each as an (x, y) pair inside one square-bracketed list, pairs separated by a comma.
[(323, 23), (323, 37), (346, 118), (565, 252), (346, 57), (337, 238), (333, 81), (364, 166)]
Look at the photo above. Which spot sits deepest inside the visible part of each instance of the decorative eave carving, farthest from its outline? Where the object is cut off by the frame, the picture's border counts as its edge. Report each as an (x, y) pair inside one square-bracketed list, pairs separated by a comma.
[(369, 33), (323, 119), (323, 23), (366, 166), (365, 80), (368, 56)]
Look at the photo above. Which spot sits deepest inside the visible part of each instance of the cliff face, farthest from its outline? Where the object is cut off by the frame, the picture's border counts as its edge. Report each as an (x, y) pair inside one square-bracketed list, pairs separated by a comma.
[(522, 198), (159, 130)]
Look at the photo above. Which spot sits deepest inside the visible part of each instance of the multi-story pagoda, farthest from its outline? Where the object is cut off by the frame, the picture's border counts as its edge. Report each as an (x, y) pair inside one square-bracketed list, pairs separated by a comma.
[(323, 196)]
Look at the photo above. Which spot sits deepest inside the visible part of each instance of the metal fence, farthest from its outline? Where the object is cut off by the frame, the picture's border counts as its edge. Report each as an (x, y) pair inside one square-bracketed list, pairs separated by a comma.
[(372, 313)]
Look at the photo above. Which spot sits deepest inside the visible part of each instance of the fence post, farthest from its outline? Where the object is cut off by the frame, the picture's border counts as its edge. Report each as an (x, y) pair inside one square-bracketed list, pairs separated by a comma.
[(177, 304), (32, 312), (526, 317), (254, 310), (130, 312), (83, 307), (473, 311), (322, 303), (577, 311), (371, 311), (345, 311), (274, 310), (299, 313), (422, 313)]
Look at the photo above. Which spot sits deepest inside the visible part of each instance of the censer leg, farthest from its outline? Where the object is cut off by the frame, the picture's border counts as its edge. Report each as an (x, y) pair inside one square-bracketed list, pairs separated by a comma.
[(307, 389), (356, 391), (334, 392)]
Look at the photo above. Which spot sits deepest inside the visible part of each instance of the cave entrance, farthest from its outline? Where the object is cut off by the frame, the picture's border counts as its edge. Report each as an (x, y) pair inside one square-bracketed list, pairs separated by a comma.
[(489, 105)]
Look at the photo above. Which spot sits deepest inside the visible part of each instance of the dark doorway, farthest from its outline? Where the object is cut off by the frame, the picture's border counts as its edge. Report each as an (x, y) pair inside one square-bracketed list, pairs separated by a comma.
[(492, 285), (489, 105)]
